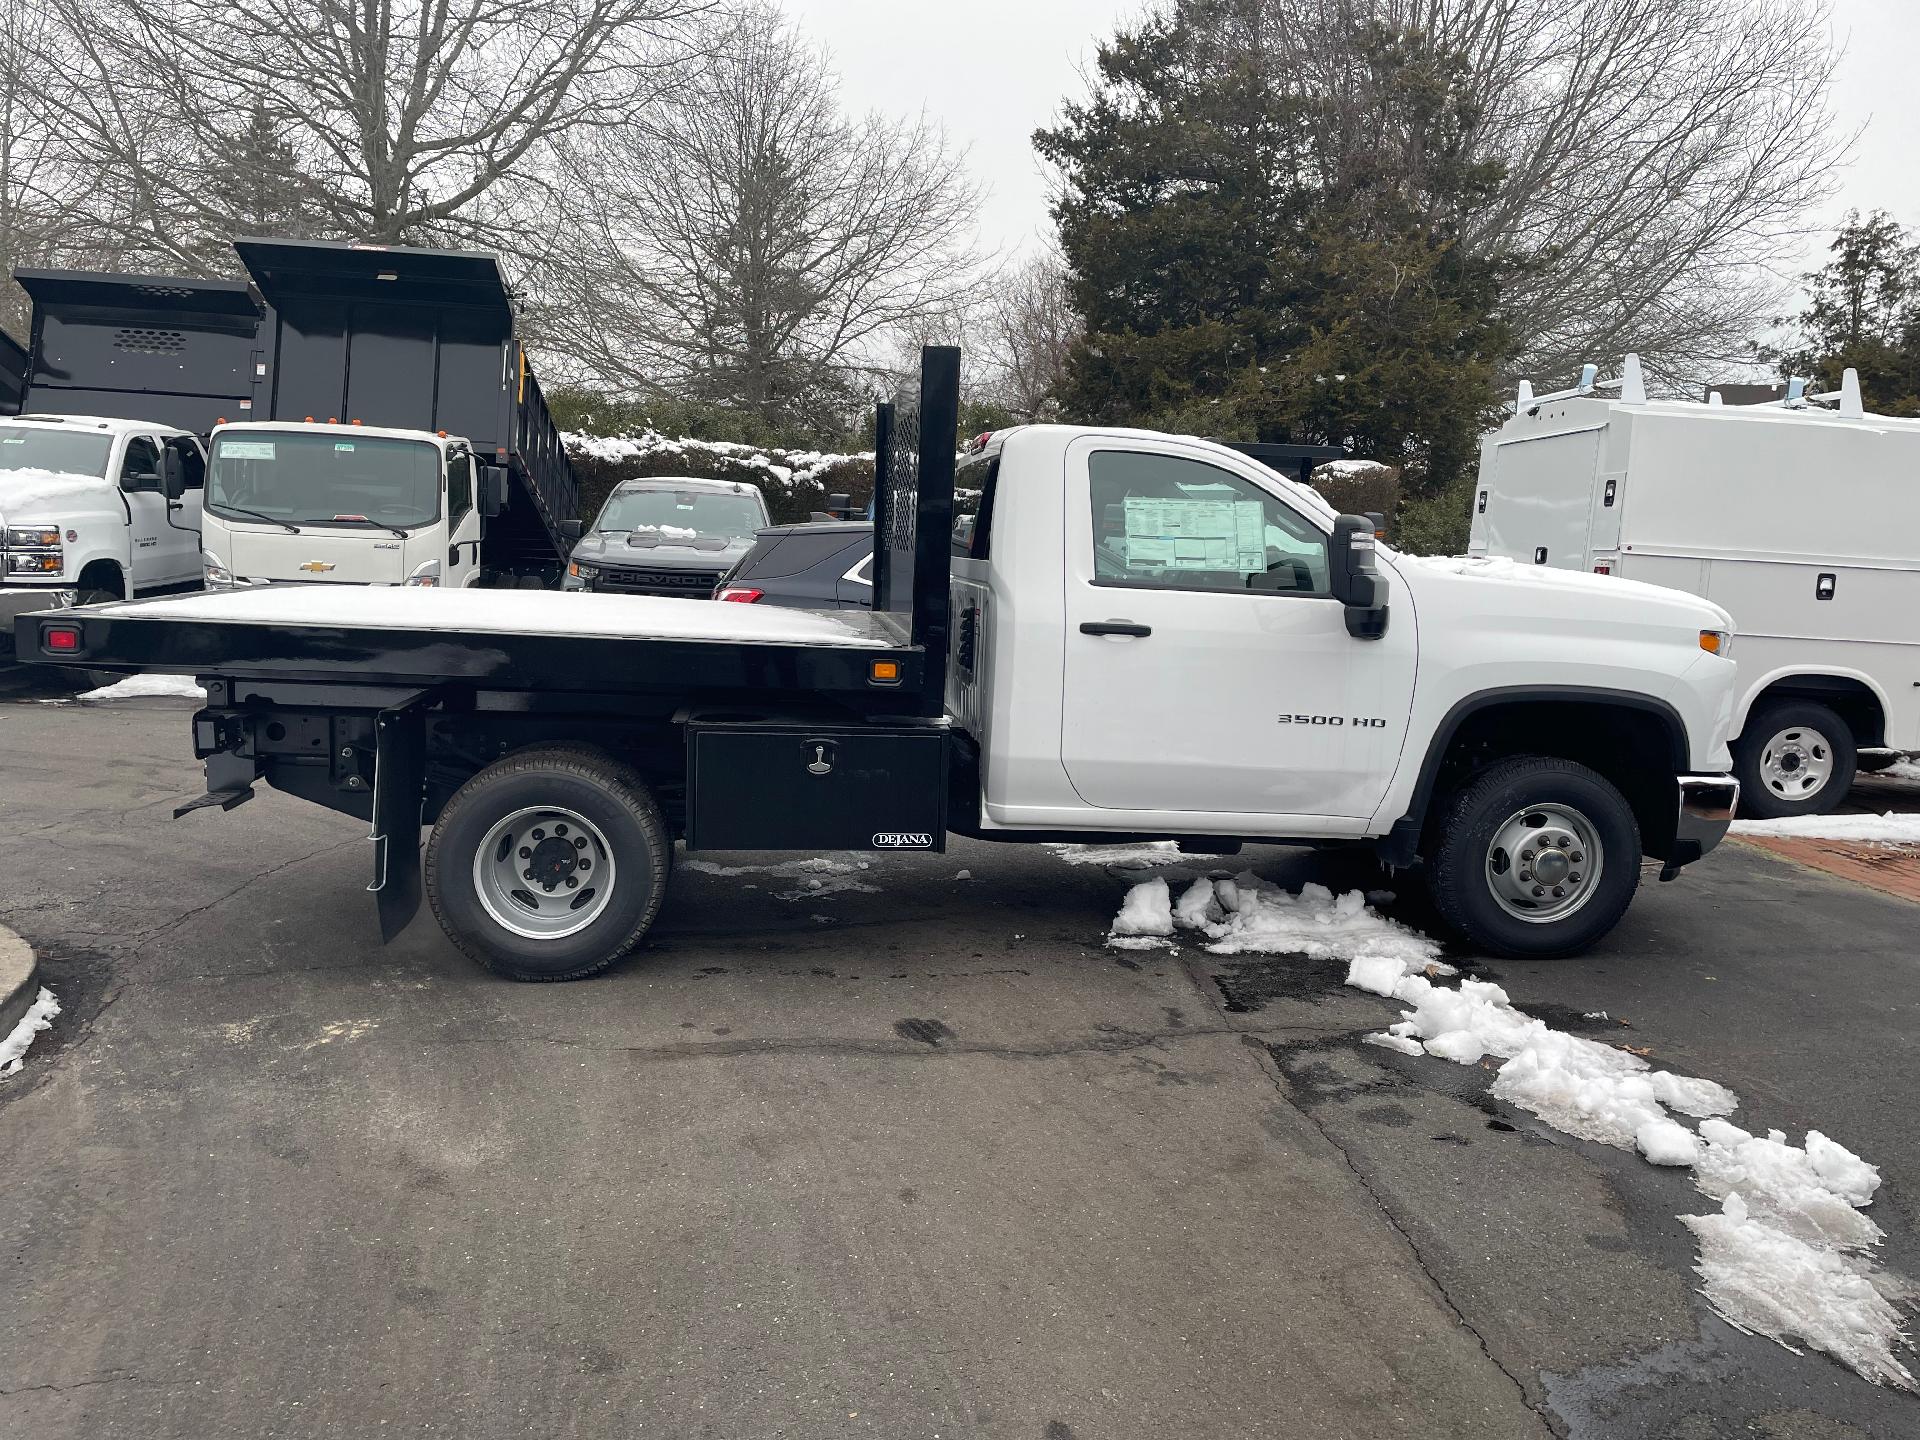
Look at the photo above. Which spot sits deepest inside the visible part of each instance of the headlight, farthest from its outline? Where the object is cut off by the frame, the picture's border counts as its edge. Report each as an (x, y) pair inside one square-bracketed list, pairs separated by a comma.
[(33, 537), (33, 562), (583, 572), (427, 574), (218, 577)]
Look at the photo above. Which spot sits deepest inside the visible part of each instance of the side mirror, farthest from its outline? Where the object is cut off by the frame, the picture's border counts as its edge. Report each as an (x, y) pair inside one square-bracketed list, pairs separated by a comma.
[(570, 530), (493, 490), (1357, 584), (840, 507), (173, 476)]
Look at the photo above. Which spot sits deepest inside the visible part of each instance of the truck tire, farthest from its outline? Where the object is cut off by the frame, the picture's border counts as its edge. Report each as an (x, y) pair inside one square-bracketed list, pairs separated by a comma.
[(594, 840), (1537, 858), (1793, 758)]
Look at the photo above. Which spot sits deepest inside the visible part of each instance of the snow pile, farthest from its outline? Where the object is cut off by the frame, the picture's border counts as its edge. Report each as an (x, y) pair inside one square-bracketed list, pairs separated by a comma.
[(39, 1017), (819, 877), (1148, 852), (142, 687), (1247, 913), (669, 532), (1889, 829), (1903, 770), (1787, 1256)]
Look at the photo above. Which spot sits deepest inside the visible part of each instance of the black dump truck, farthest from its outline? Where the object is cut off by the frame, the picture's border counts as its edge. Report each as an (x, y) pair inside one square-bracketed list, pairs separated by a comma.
[(322, 333)]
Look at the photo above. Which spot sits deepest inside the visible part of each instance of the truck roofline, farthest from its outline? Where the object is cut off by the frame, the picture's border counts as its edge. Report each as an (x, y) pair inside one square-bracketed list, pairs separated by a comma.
[(106, 423), (315, 427)]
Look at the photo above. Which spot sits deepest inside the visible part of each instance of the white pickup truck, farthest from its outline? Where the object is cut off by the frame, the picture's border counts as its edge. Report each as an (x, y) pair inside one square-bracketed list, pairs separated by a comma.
[(85, 514), (1148, 636)]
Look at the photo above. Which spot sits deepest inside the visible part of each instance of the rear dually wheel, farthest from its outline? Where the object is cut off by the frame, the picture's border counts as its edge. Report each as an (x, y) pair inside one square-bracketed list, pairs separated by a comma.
[(549, 864)]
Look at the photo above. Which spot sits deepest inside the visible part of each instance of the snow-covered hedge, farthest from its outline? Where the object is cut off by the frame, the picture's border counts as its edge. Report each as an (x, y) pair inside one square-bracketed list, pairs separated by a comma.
[(795, 482)]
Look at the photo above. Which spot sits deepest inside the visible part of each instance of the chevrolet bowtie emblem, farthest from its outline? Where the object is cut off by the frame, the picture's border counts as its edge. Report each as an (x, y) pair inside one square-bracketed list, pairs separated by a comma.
[(318, 567)]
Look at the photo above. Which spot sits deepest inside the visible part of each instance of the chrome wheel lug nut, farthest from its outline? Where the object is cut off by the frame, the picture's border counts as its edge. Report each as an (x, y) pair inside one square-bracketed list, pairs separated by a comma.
[(586, 864), (1526, 855), (528, 872), (1558, 893), (1574, 878), (579, 842), (559, 829), (572, 881), (549, 887), (1538, 890), (525, 853), (1577, 858), (539, 834)]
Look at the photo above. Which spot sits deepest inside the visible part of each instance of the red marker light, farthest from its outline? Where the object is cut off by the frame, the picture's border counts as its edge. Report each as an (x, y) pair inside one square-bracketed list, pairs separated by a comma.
[(743, 593), (60, 639)]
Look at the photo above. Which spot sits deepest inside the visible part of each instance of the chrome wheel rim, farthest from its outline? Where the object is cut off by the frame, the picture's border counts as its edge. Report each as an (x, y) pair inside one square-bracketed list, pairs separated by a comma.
[(544, 872), (1544, 863), (1797, 763)]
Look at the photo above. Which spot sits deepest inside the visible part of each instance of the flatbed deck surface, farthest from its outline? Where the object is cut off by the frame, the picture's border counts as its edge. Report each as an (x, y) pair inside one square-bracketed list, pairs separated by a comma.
[(515, 612)]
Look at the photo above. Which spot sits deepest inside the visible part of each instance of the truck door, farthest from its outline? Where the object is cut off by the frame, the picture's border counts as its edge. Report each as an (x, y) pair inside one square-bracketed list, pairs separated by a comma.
[(463, 524), (180, 541), (1208, 667), (149, 563), (1536, 497)]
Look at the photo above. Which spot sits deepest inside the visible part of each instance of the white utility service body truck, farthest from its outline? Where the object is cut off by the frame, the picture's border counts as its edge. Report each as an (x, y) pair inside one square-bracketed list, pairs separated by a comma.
[(85, 513), (1802, 522), (1148, 636)]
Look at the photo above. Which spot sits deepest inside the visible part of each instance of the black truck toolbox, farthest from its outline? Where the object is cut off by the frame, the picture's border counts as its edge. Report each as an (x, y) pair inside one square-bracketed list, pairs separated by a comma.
[(783, 784)]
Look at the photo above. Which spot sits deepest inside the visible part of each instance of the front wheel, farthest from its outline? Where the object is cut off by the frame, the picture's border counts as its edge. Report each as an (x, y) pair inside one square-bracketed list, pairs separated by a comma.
[(549, 864), (1537, 858), (1795, 758)]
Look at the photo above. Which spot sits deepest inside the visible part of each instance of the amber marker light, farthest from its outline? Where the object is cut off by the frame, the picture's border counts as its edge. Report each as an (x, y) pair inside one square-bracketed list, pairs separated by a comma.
[(884, 672)]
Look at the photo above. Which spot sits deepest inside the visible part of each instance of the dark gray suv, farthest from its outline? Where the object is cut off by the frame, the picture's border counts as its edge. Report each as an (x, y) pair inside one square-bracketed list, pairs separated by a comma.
[(667, 536), (822, 565)]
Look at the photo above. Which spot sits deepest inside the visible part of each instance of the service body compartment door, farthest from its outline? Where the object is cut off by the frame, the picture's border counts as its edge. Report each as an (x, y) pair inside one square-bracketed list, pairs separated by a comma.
[(755, 784), (1540, 499)]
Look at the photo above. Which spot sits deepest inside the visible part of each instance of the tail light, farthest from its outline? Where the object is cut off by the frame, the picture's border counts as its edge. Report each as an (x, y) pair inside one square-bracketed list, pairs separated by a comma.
[(1603, 569), (745, 593)]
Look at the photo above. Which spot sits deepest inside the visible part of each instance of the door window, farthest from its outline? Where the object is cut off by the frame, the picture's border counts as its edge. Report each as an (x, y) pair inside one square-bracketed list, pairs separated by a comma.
[(141, 468), (459, 488), (1168, 523)]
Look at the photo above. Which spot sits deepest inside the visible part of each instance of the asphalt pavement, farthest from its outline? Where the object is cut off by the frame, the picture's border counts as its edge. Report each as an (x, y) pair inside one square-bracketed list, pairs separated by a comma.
[(919, 1158)]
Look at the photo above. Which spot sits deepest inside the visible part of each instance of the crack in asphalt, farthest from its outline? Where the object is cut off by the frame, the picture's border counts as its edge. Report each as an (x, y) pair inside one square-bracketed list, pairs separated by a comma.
[(70, 1385), (1269, 1068)]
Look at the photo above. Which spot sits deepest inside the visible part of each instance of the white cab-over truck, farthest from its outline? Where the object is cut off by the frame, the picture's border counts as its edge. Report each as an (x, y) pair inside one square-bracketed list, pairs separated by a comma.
[(86, 513), (1803, 522), (1148, 636), (352, 504)]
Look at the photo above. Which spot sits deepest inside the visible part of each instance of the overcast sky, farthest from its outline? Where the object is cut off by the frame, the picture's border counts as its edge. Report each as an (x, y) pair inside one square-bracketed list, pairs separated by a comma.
[(993, 70)]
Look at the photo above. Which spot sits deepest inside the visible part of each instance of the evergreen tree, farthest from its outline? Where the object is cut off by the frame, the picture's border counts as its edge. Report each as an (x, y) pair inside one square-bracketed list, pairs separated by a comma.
[(1863, 312), (1260, 255)]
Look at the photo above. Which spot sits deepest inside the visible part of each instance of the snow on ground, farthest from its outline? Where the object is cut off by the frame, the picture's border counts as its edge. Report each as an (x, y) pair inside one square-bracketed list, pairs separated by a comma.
[(1148, 852), (1903, 770), (140, 687), (819, 877), (39, 1017), (1788, 1255), (1891, 829)]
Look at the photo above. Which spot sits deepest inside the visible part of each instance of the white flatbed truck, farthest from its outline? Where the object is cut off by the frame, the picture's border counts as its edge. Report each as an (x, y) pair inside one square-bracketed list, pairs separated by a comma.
[(1148, 636)]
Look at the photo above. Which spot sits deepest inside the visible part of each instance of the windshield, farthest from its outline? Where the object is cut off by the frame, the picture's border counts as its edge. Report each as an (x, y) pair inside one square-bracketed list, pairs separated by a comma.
[(69, 452), (683, 514), (325, 479)]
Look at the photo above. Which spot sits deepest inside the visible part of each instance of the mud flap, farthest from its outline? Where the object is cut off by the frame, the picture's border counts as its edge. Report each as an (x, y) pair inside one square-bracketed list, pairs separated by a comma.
[(399, 774)]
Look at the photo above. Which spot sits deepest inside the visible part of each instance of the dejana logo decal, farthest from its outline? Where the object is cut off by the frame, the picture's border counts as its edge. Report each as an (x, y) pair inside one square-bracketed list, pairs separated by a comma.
[(903, 840)]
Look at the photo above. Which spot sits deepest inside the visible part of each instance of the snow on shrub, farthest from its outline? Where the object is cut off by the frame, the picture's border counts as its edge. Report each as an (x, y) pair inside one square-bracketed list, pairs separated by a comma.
[(795, 482)]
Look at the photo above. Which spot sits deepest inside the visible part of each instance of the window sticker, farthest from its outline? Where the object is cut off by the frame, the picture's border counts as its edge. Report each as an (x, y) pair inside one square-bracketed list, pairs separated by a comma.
[(346, 445), (1217, 536), (246, 449)]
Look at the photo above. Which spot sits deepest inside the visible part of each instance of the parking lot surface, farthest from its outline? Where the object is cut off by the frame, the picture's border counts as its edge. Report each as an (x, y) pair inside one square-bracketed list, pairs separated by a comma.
[(899, 1153)]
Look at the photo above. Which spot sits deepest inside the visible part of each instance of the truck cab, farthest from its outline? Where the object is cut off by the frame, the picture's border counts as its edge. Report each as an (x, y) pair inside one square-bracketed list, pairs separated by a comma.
[(95, 509), (353, 504)]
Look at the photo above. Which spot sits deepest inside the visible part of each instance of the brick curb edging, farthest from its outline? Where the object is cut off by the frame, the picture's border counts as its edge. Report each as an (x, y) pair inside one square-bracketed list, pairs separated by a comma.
[(19, 979)]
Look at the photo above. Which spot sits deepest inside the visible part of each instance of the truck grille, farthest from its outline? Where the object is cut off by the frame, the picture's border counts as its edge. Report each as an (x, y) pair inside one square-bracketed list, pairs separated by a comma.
[(657, 582)]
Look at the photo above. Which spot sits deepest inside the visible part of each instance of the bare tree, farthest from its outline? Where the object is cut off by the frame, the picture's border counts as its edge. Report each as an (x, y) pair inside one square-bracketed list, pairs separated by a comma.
[(36, 194), (374, 120), (749, 244), (1659, 156), (1027, 329)]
